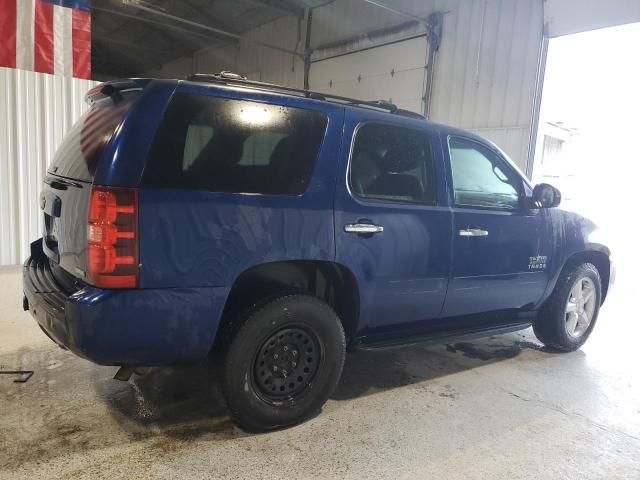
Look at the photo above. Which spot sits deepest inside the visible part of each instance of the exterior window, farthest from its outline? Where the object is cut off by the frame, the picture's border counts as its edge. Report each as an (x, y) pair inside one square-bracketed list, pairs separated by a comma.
[(225, 145), (480, 177), (81, 149), (392, 163)]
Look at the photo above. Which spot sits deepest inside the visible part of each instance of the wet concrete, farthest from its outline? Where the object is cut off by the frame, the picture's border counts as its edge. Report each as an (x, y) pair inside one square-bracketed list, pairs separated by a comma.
[(495, 408)]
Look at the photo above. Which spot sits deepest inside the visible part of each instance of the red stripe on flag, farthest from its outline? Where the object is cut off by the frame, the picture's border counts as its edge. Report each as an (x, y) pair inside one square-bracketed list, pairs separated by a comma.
[(43, 38), (81, 44), (8, 25)]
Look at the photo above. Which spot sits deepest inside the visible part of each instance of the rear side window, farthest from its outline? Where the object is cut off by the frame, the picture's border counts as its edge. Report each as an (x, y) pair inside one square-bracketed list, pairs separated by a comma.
[(82, 147), (226, 145), (392, 163)]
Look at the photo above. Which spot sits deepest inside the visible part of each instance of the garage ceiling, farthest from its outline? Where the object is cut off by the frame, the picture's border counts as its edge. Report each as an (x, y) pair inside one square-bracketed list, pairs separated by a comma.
[(128, 41)]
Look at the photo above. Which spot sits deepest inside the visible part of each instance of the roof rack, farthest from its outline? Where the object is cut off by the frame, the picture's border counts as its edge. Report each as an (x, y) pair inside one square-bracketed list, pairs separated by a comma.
[(230, 78)]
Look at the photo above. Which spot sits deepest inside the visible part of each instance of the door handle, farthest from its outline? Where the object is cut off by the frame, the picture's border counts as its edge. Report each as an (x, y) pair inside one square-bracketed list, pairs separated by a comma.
[(363, 228), (473, 232)]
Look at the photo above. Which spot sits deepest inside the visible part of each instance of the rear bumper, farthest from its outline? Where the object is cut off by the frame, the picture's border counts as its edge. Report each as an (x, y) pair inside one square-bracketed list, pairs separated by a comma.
[(142, 327)]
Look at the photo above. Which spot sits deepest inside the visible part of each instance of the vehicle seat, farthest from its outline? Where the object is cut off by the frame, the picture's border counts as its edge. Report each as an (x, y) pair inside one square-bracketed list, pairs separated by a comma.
[(364, 171), (394, 181), (285, 173)]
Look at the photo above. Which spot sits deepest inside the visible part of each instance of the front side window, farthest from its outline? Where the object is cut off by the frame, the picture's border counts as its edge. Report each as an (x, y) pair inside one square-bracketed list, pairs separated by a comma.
[(227, 145), (480, 178), (392, 163)]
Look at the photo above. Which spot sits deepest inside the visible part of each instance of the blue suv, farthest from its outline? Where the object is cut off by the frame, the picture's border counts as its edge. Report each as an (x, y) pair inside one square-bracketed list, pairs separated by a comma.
[(273, 228)]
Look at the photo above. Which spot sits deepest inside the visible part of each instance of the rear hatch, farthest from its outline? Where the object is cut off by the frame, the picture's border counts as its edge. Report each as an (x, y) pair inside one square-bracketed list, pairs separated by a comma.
[(67, 186)]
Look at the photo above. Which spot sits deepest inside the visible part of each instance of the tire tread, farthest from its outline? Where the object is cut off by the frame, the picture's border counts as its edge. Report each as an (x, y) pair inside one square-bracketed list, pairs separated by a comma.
[(228, 367), (549, 326)]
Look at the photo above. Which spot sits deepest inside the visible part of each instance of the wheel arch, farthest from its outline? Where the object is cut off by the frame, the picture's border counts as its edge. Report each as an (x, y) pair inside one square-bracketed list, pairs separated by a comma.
[(600, 258), (329, 281)]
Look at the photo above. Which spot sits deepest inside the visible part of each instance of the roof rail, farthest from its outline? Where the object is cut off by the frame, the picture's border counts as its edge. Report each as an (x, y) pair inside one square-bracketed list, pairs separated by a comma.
[(230, 78)]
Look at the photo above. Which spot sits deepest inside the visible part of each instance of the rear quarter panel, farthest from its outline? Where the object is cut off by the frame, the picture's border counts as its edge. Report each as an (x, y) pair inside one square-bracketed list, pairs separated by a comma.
[(200, 238), (125, 155)]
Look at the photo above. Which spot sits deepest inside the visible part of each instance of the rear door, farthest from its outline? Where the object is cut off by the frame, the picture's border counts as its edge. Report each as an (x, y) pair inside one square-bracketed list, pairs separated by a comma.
[(500, 248), (66, 192), (391, 229)]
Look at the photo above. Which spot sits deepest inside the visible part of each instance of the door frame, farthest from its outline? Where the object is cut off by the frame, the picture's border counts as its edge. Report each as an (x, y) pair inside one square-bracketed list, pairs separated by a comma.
[(354, 119)]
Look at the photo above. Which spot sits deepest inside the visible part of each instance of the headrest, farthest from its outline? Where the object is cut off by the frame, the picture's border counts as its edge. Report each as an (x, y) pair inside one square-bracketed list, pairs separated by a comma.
[(282, 152), (402, 157)]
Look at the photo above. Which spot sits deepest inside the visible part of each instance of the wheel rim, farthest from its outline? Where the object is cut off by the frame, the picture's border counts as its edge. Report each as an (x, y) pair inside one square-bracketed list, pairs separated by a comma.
[(286, 364), (580, 308)]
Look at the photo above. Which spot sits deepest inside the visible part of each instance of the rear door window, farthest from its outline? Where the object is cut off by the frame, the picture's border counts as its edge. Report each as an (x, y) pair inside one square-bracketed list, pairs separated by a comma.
[(226, 145), (82, 147), (393, 164)]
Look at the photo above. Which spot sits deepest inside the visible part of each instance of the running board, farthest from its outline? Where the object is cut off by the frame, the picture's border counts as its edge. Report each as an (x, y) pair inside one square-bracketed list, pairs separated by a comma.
[(439, 337)]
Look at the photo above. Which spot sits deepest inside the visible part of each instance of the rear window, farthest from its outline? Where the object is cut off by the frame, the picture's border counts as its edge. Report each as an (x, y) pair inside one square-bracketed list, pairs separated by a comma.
[(82, 147), (225, 145)]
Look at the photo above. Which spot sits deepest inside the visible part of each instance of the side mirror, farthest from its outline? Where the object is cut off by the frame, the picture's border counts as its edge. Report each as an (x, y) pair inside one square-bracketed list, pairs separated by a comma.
[(545, 196)]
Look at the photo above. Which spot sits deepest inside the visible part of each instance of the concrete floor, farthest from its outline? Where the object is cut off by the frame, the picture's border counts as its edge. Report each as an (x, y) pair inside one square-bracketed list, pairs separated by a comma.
[(498, 408)]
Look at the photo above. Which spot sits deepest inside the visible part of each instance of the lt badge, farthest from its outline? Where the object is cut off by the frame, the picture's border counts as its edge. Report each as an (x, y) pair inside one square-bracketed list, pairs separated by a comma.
[(539, 262)]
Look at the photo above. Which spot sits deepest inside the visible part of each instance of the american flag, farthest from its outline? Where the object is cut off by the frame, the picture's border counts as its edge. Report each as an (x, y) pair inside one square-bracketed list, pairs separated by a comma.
[(49, 36)]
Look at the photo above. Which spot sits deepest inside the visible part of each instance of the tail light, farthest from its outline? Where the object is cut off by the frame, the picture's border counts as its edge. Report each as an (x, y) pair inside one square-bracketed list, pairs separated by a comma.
[(112, 237)]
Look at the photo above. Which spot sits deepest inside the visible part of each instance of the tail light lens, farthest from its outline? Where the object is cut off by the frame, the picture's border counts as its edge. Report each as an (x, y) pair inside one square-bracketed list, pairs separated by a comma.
[(112, 236)]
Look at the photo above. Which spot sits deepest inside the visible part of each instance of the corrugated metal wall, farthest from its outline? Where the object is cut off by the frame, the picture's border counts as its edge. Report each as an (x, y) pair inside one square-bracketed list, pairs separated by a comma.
[(486, 68), (485, 78), (36, 110)]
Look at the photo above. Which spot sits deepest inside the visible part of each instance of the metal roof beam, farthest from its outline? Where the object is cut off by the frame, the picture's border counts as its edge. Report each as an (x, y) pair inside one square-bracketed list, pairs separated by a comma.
[(139, 5), (384, 6), (290, 10), (160, 24)]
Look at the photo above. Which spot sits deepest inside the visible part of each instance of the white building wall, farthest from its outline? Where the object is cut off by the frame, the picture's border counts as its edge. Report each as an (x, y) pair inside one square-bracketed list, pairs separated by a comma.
[(36, 110)]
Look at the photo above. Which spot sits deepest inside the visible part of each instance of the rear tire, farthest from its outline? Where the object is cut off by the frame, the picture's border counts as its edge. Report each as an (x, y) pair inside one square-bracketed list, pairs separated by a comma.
[(571, 312), (283, 363)]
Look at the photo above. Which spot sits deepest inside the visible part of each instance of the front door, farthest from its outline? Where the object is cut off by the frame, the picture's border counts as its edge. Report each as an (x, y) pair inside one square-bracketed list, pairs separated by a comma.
[(500, 248), (392, 231)]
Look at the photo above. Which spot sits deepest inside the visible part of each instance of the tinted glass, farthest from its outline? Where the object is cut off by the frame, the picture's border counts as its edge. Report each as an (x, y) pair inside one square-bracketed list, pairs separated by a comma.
[(392, 163), (226, 145), (481, 178), (81, 149)]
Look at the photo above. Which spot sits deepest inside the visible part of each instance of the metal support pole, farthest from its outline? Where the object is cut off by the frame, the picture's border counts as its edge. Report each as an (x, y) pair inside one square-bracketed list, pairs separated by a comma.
[(433, 25), (537, 103), (307, 49)]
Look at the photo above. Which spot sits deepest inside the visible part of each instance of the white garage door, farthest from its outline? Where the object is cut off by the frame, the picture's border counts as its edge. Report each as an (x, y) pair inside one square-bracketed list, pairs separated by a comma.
[(394, 72)]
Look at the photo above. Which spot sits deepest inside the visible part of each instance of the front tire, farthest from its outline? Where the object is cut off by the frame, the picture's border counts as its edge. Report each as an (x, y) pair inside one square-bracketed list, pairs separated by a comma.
[(572, 310), (283, 363)]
